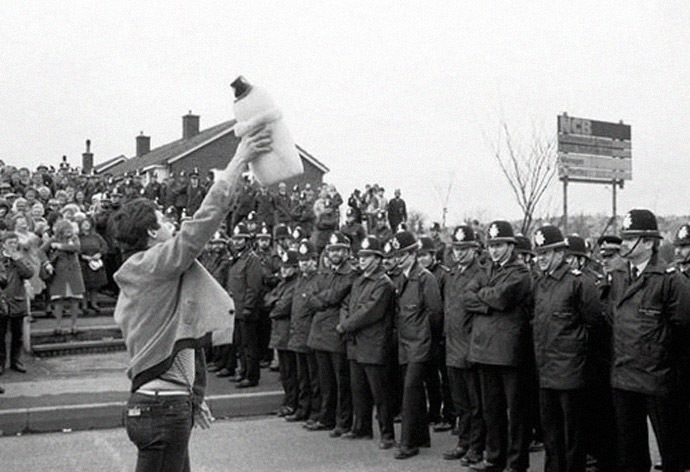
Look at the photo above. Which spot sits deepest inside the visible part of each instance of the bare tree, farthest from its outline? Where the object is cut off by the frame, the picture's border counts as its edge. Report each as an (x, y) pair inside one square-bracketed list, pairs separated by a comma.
[(415, 221), (443, 194), (529, 168)]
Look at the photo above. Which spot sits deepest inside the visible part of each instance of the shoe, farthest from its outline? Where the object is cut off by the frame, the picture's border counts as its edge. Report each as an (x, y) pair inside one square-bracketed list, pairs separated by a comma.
[(658, 466), (246, 383), (213, 368), (237, 378), (486, 466), (337, 432), (224, 372), (284, 411), (275, 366), (442, 426), (295, 417), (387, 444), (318, 426), (18, 367), (470, 458), (405, 453), (455, 454), (353, 435)]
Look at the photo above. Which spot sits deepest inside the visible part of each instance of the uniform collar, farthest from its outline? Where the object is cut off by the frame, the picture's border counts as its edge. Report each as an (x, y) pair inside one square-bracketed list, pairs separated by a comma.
[(559, 271)]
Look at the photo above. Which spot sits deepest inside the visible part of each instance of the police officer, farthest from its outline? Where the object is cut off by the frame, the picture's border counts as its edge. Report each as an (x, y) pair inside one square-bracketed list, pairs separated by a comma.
[(353, 229), (309, 393), (279, 301), (270, 267), (498, 344), (333, 286), (565, 304), (244, 283), (649, 305), (682, 350), (367, 323), (463, 376), (441, 414), (419, 313), (600, 422)]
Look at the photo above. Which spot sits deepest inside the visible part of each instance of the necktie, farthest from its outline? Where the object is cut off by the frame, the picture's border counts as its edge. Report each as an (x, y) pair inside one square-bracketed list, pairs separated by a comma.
[(635, 272)]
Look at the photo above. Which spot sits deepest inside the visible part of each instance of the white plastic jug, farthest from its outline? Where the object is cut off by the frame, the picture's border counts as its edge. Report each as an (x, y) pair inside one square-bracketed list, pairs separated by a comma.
[(253, 106)]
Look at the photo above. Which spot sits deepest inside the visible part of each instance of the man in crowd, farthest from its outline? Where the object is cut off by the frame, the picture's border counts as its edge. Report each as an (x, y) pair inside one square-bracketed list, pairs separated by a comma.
[(367, 323), (333, 286), (650, 314), (195, 193), (245, 285), (309, 393), (397, 211), (441, 414), (498, 345), (566, 304), (463, 376), (419, 313)]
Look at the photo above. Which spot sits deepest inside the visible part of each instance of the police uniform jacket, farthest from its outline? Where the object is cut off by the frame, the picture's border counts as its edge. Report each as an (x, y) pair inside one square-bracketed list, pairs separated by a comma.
[(301, 312), (565, 304), (419, 309), (332, 287), (13, 273), (500, 330), (279, 300), (648, 314), (244, 284), (367, 318), (457, 323)]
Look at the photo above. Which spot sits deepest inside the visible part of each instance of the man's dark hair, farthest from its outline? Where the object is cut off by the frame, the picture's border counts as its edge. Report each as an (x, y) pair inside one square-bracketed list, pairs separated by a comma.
[(132, 222)]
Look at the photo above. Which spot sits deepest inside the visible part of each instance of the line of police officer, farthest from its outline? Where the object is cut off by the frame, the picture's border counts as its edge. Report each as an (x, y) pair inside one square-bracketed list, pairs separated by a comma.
[(609, 348)]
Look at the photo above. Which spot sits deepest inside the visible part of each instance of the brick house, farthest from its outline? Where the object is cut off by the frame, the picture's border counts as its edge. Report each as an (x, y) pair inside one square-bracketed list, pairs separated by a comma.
[(205, 150)]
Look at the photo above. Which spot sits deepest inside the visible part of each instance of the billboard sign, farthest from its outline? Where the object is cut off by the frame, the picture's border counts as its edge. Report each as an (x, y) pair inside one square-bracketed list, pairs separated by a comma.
[(591, 150)]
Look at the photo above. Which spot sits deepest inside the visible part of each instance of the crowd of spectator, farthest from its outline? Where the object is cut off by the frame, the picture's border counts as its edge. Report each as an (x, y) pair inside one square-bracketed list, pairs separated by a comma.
[(58, 251)]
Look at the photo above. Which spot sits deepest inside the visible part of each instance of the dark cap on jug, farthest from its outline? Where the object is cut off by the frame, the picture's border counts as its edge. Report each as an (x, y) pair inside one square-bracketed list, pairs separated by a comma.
[(241, 86)]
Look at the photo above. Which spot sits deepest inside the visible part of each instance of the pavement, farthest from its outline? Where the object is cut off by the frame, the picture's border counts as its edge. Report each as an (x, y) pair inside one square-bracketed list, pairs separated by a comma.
[(89, 391), (247, 445)]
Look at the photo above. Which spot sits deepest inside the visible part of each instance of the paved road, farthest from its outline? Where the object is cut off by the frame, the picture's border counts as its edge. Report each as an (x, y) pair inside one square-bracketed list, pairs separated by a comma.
[(259, 444)]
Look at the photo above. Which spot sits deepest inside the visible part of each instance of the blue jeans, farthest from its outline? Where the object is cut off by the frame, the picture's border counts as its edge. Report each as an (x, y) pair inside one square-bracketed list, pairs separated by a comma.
[(160, 428)]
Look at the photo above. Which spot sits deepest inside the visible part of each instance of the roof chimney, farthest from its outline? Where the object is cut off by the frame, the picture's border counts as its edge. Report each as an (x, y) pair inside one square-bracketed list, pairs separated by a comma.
[(143, 144), (87, 159), (190, 125)]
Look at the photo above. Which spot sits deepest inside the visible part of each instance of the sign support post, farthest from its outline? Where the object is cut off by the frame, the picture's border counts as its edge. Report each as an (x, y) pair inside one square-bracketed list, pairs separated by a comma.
[(565, 204)]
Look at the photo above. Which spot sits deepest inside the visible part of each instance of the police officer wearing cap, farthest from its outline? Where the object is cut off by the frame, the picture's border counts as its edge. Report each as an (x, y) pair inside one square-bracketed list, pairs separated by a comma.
[(566, 303), (441, 414), (682, 262), (309, 391), (279, 301), (599, 422), (649, 309), (353, 229), (498, 344), (332, 287), (270, 266), (245, 285), (419, 313), (463, 376), (366, 321)]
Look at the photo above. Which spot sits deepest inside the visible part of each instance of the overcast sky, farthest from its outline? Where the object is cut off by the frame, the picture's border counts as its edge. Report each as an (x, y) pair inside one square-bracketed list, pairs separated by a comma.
[(399, 93)]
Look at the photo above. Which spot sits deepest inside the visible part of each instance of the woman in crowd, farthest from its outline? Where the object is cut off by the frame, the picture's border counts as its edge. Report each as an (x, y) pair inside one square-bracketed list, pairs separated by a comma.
[(67, 285), (93, 247), (29, 245)]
